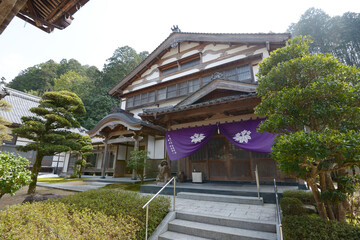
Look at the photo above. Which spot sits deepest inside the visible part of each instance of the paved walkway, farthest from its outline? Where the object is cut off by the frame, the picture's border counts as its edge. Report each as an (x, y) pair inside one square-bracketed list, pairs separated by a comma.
[(73, 186), (264, 212)]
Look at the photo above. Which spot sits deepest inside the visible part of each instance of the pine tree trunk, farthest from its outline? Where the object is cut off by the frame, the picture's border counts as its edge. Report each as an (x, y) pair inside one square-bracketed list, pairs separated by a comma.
[(320, 204), (34, 173)]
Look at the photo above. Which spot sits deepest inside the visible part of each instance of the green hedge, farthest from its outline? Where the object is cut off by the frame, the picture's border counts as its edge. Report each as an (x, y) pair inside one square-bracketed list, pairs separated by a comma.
[(292, 206), (305, 197), (55, 220), (94, 214), (121, 203), (314, 228)]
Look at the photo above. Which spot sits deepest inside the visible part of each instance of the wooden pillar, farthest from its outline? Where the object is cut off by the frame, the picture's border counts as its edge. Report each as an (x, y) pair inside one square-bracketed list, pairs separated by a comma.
[(105, 158), (136, 147)]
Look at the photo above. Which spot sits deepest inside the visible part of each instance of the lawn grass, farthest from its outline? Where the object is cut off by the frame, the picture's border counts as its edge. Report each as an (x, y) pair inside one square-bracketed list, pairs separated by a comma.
[(135, 187), (58, 180)]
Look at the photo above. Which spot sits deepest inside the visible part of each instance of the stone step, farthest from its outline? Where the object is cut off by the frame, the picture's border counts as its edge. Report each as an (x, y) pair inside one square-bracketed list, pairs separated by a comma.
[(228, 222), (216, 232), (221, 198), (179, 236)]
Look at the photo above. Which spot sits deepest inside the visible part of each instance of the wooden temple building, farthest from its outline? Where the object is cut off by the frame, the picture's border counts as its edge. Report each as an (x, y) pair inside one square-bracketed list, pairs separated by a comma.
[(180, 102)]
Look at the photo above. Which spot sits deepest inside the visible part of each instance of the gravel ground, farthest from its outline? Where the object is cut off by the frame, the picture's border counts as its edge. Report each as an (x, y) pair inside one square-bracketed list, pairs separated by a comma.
[(20, 195)]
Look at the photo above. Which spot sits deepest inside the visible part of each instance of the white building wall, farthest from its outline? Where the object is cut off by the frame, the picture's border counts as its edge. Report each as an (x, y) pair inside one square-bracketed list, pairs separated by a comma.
[(159, 149), (151, 147)]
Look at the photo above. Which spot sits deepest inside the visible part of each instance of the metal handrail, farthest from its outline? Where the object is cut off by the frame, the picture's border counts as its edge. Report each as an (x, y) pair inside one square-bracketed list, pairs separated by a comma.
[(257, 181), (278, 215), (147, 204)]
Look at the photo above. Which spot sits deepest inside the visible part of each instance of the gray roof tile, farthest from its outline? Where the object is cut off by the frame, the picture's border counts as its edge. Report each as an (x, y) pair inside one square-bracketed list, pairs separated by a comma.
[(21, 103)]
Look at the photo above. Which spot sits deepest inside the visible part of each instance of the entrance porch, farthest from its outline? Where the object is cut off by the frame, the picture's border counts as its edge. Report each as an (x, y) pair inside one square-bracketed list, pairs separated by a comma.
[(220, 160)]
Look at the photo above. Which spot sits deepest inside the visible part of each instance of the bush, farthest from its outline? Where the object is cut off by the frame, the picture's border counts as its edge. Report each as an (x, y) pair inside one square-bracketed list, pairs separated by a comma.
[(123, 204), (306, 197), (13, 173), (55, 220), (316, 228), (292, 206)]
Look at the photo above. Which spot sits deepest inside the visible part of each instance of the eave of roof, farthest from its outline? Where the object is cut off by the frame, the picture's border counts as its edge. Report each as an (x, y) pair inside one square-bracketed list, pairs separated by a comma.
[(45, 15), (248, 38), (173, 109)]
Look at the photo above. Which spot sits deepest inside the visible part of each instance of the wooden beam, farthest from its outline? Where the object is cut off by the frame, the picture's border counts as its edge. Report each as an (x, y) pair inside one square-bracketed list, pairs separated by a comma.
[(48, 30), (33, 12), (60, 9)]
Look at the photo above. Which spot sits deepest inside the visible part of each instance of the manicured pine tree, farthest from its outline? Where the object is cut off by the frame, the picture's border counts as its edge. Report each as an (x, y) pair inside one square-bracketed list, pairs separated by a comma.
[(49, 129), (313, 102)]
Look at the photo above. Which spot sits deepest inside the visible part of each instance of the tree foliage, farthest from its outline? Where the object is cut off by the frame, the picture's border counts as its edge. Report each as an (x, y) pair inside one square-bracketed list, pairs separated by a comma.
[(99, 103), (4, 130), (87, 82), (83, 150), (339, 35), (13, 173), (138, 163), (49, 129), (313, 102)]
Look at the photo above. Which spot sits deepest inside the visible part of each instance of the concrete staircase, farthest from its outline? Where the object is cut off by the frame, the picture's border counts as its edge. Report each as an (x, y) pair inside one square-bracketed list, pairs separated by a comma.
[(195, 226), (187, 226)]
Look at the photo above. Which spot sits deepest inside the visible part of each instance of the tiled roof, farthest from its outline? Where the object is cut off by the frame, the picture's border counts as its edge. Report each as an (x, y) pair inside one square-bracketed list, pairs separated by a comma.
[(21, 103), (168, 109)]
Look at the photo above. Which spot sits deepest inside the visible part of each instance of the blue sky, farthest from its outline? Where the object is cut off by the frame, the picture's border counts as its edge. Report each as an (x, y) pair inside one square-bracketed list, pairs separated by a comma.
[(101, 26)]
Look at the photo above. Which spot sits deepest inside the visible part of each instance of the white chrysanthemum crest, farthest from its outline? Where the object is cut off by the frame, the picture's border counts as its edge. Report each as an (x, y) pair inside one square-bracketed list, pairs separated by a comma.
[(242, 137), (197, 137)]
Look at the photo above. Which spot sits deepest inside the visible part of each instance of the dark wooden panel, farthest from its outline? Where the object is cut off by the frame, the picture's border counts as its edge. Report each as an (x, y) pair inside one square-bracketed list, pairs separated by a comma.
[(239, 163)]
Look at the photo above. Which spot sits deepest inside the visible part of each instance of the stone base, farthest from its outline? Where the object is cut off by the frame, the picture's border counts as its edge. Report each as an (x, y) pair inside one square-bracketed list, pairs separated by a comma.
[(40, 197)]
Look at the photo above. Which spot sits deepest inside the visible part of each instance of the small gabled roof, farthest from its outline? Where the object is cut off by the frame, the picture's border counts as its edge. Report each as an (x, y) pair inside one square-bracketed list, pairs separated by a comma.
[(120, 117), (178, 37), (217, 84)]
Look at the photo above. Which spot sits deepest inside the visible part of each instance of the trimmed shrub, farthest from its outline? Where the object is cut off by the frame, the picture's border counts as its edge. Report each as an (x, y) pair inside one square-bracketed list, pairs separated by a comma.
[(123, 204), (306, 197), (315, 228), (55, 220), (95, 214), (292, 206)]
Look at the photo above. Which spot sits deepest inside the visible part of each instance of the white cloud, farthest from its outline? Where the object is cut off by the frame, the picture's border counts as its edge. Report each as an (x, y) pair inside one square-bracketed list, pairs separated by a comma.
[(11, 65)]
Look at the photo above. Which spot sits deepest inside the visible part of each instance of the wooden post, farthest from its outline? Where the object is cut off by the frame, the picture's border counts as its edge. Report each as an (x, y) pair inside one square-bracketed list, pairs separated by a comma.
[(105, 157), (136, 147)]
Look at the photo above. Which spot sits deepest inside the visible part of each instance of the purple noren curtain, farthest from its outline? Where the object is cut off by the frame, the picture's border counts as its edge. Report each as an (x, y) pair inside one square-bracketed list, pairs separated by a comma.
[(184, 142), (244, 135)]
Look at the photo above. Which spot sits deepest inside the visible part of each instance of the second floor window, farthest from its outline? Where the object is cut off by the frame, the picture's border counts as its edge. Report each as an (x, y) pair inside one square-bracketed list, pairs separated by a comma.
[(180, 65), (239, 74)]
